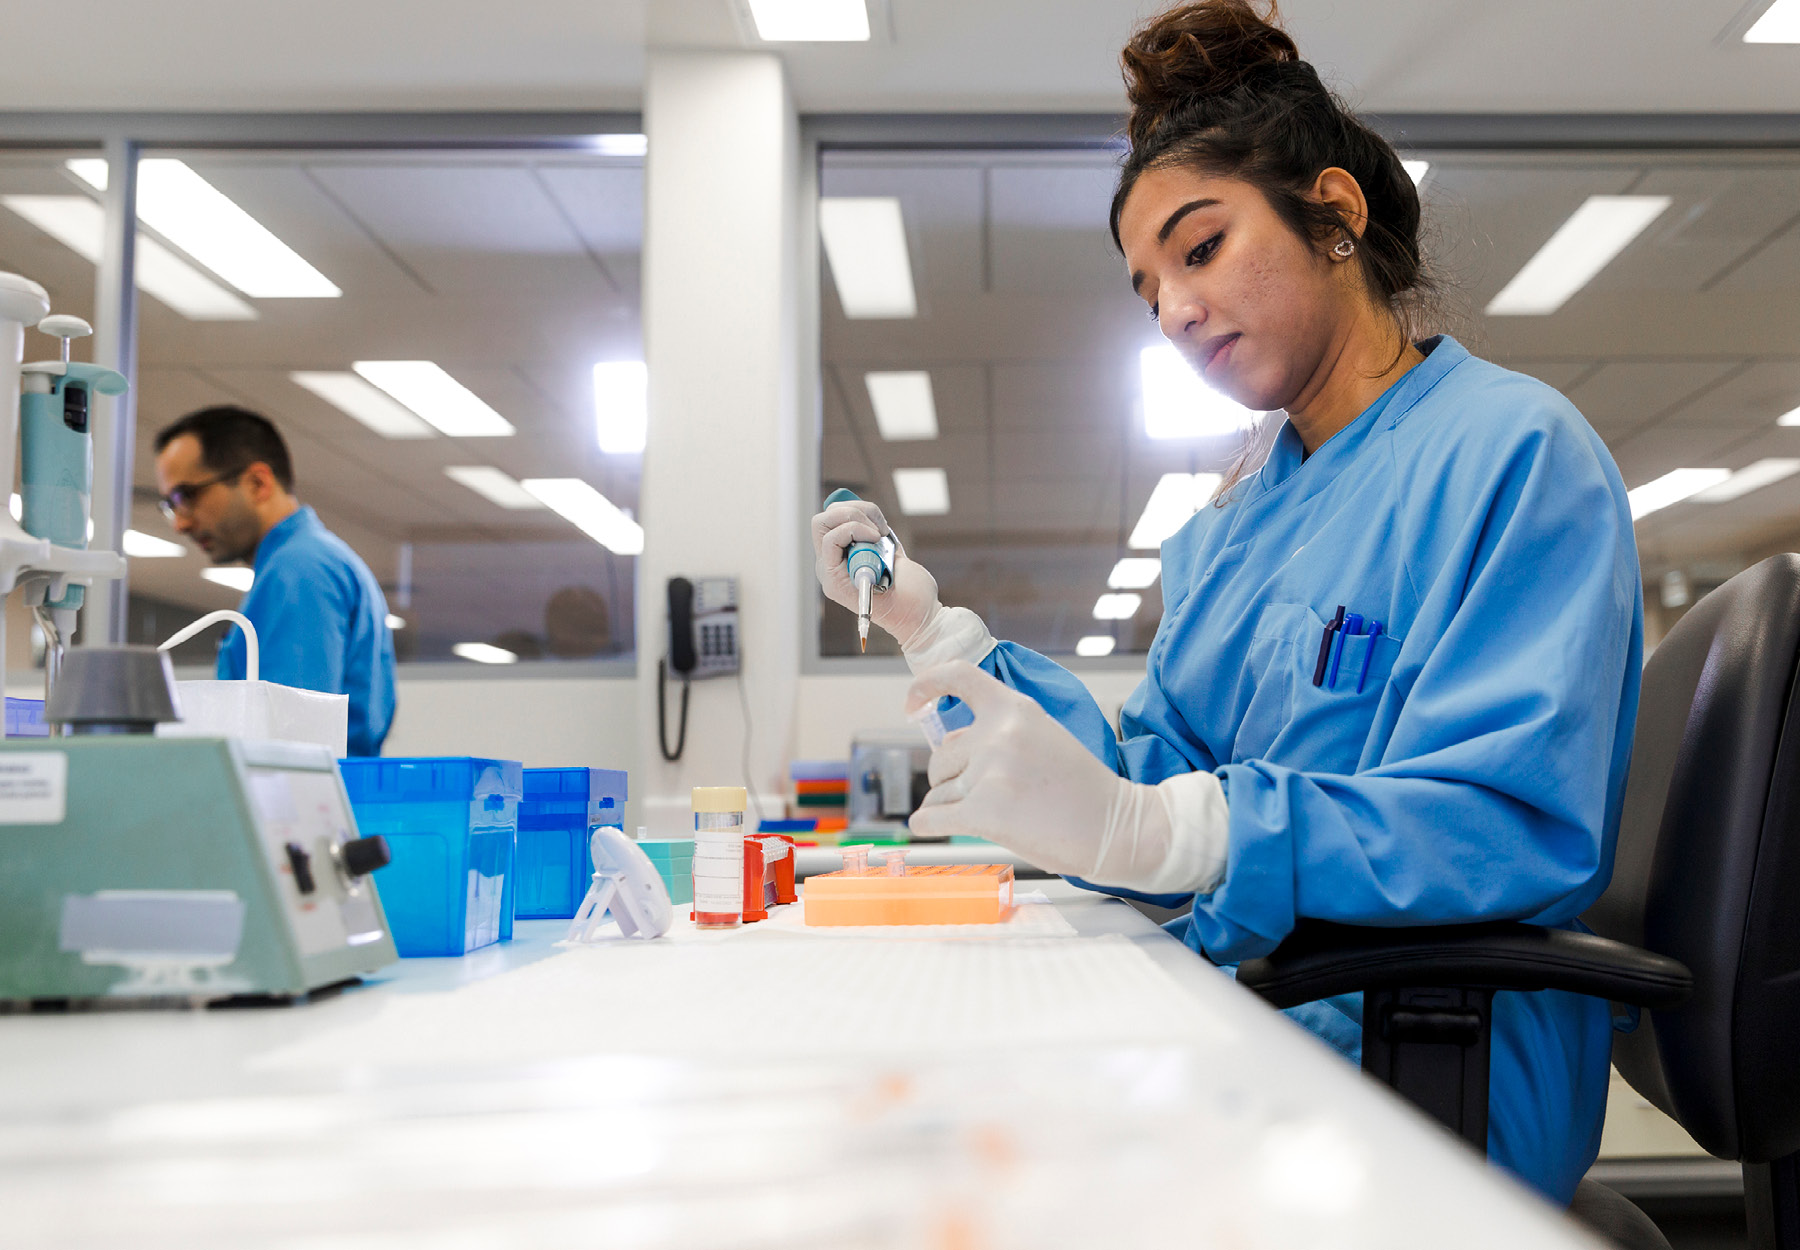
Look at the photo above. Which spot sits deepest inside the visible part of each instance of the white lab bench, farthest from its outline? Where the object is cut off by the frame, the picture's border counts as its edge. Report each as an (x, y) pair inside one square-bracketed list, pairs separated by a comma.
[(1081, 1081)]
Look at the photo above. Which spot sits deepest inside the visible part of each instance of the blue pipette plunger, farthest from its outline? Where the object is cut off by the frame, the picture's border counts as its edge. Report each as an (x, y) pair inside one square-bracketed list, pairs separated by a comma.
[(871, 569)]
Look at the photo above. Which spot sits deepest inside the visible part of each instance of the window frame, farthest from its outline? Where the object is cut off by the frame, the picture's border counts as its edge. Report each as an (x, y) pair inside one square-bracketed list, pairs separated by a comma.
[(1424, 133), (132, 136)]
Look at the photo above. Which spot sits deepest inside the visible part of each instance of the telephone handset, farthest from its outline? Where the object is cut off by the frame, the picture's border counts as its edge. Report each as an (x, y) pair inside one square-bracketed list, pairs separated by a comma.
[(703, 642), (681, 625)]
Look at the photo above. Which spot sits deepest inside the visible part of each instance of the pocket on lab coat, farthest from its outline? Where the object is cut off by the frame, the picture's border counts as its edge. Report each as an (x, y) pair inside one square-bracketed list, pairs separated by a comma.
[(1291, 721)]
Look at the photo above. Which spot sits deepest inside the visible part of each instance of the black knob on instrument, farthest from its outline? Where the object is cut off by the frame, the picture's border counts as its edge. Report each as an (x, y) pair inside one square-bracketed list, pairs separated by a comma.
[(364, 855)]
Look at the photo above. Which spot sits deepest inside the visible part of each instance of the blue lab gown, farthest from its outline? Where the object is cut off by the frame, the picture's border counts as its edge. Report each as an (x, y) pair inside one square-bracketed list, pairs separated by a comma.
[(1474, 771), (321, 624)]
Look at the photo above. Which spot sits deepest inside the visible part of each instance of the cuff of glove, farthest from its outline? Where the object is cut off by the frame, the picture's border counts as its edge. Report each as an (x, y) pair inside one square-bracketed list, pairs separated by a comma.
[(1199, 834), (1165, 839), (948, 634)]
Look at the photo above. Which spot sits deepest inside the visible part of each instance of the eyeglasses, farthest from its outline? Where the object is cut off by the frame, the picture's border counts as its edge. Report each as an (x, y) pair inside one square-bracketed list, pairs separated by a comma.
[(182, 497)]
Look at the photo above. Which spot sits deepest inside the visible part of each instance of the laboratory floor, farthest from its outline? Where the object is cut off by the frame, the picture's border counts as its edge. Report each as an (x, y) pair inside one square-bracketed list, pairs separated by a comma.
[(1699, 1223)]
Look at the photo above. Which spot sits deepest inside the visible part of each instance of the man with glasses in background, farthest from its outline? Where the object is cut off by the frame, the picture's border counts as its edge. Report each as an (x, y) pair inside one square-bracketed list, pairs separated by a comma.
[(227, 482)]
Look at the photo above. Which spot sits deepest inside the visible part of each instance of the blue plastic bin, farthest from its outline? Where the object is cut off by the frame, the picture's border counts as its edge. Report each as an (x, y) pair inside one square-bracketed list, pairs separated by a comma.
[(25, 718), (556, 819), (450, 823)]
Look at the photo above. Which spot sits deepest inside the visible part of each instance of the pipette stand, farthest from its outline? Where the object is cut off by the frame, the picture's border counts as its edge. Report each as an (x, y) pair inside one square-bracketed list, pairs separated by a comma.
[(43, 570), (626, 887)]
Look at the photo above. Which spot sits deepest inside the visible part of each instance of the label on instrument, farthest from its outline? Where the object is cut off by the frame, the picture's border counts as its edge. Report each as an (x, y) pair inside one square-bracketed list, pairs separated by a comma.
[(33, 787)]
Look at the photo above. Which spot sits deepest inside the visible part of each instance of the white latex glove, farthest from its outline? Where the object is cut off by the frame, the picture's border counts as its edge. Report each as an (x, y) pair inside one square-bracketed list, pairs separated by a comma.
[(1017, 777), (927, 631)]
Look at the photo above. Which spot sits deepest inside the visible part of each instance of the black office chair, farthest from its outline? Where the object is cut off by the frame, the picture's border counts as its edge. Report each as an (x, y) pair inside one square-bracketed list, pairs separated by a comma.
[(1700, 924)]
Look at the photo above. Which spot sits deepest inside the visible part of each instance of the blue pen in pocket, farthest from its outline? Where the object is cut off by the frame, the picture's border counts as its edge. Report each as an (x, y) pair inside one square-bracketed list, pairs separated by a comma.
[(1351, 628), (1369, 654)]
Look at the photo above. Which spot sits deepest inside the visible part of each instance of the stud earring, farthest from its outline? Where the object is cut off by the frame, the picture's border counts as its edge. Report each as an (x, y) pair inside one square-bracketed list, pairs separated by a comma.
[(1344, 250)]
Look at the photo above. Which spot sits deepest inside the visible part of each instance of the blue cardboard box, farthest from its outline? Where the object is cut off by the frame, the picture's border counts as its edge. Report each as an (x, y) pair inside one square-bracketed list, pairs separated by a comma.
[(557, 816), (673, 859), (451, 823)]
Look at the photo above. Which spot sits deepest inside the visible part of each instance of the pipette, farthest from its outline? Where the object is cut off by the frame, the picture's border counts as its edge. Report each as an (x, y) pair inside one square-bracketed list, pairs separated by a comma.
[(871, 568)]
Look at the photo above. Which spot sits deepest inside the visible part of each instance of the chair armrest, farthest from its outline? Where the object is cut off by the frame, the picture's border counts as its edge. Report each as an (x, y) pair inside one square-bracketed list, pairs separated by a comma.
[(1320, 959)]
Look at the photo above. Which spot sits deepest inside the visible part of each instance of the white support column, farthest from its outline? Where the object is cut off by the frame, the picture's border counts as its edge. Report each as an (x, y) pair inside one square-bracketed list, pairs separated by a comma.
[(720, 493), (114, 420)]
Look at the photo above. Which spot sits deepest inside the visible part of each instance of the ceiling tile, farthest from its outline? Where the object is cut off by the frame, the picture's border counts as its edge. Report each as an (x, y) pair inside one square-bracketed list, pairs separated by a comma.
[(1048, 232), (1751, 398), (464, 227), (1622, 397), (1646, 456)]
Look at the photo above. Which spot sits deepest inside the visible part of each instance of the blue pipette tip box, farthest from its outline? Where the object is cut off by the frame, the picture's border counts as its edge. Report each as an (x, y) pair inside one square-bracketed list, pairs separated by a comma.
[(451, 823), (557, 816), (673, 859)]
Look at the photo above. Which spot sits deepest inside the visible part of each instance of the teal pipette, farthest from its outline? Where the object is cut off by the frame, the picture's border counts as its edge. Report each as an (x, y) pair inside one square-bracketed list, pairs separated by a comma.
[(871, 569), (57, 464)]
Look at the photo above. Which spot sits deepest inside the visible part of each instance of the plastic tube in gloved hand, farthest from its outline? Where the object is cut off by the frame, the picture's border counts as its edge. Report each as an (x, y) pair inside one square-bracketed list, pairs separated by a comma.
[(1017, 777)]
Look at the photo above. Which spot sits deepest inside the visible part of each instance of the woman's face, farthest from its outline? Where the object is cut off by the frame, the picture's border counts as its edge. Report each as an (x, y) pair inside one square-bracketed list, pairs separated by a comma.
[(1253, 308)]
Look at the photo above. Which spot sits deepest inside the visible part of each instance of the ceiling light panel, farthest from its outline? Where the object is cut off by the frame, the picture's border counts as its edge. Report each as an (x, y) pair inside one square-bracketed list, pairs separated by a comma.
[(621, 145), (1096, 645), (208, 225), (234, 578), (440, 399), (589, 511), (1177, 404), (1672, 488), (1176, 498), (621, 406), (1582, 246), (493, 485), (1117, 607), (395, 622), (79, 224), (483, 653), (922, 492), (1780, 23), (142, 546), (1416, 170), (1789, 418), (810, 21), (904, 408), (354, 397), (1135, 573), (1750, 477), (865, 242)]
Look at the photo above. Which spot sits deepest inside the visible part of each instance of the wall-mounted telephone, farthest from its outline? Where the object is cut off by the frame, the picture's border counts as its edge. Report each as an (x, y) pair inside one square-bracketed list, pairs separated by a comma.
[(703, 642), (703, 621)]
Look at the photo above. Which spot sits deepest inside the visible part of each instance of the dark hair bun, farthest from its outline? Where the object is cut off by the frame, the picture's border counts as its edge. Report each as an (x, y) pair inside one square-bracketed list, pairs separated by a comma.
[(1217, 87), (1209, 48)]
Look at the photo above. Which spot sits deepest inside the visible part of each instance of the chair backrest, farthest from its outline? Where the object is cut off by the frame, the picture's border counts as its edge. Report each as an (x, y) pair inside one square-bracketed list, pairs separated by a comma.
[(1708, 866)]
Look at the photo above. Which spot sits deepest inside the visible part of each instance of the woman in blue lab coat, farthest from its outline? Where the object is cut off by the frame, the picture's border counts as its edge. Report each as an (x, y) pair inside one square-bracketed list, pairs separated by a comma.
[(1397, 670)]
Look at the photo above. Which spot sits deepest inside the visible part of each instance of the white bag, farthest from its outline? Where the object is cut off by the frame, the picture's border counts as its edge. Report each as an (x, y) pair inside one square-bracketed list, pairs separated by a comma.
[(254, 708)]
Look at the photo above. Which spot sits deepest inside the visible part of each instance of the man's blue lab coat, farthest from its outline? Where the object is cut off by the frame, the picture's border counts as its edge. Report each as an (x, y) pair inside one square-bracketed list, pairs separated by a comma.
[(321, 624), (1474, 771)]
